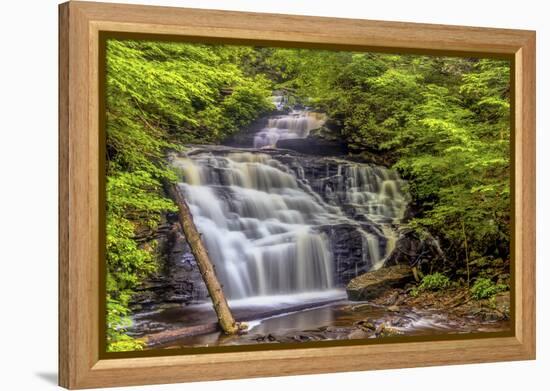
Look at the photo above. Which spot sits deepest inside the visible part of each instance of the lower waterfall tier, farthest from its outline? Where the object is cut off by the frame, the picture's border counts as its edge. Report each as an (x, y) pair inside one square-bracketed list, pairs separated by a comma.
[(277, 222)]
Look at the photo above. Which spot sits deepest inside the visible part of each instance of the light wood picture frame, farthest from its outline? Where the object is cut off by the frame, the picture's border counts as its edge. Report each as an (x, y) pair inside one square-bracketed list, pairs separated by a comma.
[(81, 25)]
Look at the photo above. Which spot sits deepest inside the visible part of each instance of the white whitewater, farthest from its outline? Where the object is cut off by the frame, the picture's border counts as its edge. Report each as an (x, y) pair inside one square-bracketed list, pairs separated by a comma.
[(296, 124)]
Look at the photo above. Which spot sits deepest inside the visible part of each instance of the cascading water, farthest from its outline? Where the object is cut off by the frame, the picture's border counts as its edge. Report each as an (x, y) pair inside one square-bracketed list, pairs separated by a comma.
[(279, 101), (258, 225), (268, 217), (377, 194), (297, 124)]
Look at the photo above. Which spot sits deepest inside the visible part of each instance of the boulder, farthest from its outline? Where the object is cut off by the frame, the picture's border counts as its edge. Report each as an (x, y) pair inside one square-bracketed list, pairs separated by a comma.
[(359, 334), (375, 283)]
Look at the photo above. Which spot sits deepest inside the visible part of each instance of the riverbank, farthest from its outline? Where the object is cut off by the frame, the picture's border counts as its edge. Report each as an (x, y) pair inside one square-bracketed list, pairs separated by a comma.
[(456, 302)]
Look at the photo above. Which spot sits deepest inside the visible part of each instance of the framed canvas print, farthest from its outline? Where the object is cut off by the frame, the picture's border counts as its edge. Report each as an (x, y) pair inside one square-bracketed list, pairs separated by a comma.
[(248, 195)]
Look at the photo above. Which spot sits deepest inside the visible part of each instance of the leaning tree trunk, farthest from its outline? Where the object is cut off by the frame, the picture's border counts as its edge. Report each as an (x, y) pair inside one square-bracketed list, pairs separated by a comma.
[(193, 237)]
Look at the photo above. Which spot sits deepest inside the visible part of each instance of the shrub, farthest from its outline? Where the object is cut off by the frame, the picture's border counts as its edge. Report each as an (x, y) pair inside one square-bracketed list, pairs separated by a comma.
[(435, 282), (432, 282), (484, 288)]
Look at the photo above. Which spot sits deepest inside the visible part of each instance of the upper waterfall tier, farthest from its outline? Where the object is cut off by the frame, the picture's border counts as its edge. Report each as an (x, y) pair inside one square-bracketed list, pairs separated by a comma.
[(296, 124)]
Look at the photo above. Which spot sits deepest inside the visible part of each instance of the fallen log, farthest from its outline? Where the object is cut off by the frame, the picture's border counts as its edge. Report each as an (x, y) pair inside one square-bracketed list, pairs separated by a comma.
[(193, 237), (167, 336)]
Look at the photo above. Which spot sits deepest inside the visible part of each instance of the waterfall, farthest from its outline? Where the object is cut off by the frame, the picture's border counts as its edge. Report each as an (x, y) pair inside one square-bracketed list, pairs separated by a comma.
[(271, 219)]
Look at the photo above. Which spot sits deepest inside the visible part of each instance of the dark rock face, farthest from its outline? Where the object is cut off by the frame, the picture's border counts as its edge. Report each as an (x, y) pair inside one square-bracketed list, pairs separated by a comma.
[(416, 249), (178, 281), (314, 146), (375, 283), (245, 138), (347, 250)]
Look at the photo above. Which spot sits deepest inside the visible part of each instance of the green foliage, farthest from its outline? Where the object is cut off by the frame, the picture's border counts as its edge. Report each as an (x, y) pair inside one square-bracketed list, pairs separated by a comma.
[(159, 97), (134, 204), (245, 102), (187, 93), (484, 288), (443, 122), (117, 322), (432, 282)]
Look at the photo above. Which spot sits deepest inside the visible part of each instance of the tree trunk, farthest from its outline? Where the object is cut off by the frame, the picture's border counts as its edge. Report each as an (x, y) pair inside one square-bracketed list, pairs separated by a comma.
[(466, 251), (193, 237)]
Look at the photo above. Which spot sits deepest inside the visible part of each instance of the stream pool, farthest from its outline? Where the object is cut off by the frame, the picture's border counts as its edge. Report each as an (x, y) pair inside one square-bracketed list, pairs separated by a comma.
[(307, 317)]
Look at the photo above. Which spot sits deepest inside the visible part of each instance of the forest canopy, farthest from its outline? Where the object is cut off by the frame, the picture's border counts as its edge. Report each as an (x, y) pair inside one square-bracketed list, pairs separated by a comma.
[(442, 122)]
